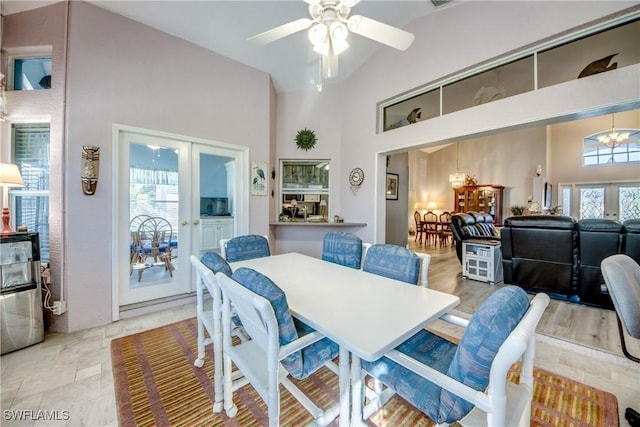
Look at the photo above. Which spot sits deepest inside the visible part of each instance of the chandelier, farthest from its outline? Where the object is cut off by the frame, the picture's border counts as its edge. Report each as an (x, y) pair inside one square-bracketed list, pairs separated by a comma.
[(457, 179), (613, 138)]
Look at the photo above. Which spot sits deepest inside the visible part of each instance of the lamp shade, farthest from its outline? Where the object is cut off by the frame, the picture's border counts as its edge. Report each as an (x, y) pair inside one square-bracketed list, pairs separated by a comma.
[(323, 203), (432, 206), (10, 175)]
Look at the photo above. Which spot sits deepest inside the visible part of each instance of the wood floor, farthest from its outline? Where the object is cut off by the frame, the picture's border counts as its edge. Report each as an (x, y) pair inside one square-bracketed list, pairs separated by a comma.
[(588, 326)]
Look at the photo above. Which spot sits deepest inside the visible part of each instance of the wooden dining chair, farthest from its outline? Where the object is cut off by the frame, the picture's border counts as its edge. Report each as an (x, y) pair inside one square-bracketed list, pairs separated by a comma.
[(280, 345), (431, 229), (419, 227), (467, 383), (446, 235)]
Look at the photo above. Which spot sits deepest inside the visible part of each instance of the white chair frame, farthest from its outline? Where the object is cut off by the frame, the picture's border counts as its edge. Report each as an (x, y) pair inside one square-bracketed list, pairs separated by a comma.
[(425, 262), (259, 359), (211, 321), (504, 403)]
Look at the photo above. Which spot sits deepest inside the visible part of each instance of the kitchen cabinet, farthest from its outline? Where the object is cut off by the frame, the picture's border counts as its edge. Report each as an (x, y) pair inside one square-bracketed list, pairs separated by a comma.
[(480, 198), (214, 229)]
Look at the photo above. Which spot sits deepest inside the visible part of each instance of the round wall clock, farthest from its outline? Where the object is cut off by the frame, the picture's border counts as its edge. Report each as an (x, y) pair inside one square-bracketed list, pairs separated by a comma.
[(356, 176)]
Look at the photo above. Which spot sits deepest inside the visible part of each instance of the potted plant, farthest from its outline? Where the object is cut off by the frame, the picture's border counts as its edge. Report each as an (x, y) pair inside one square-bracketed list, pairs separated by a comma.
[(517, 210)]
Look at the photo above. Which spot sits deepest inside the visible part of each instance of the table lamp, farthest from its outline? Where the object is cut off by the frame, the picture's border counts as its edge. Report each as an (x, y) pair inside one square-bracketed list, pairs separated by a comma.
[(9, 177)]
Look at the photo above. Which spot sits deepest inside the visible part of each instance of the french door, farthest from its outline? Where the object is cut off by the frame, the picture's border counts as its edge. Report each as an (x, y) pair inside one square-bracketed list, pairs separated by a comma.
[(617, 201), (158, 209)]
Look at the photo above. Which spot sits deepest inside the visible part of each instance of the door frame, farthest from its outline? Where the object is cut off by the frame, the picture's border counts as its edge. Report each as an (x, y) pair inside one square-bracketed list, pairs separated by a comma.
[(120, 213), (611, 197)]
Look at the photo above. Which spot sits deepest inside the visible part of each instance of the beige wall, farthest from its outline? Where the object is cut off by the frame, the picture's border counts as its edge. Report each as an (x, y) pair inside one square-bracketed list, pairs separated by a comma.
[(511, 159)]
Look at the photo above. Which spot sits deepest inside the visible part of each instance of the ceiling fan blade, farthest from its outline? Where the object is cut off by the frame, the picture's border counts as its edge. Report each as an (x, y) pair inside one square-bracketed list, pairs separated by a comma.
[(380, 32), (281, 31)]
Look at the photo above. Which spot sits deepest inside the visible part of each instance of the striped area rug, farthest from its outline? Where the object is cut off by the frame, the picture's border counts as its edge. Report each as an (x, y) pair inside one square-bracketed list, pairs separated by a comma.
[(156, 384)]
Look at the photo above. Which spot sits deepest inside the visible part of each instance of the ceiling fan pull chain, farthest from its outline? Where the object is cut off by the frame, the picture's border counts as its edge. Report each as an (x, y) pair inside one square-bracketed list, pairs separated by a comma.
[(319, 84)]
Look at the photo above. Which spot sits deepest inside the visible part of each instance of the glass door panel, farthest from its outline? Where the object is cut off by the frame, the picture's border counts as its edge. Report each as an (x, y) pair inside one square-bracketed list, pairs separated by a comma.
[(157, 182), (611, 201)]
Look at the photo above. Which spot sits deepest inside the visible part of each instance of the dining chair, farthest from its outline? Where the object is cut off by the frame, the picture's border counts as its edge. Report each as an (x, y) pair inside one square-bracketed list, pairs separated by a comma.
[(419, 227), (467, 383), (155, 240), (280, 346), (241, 248), (397, 262), (340, 247), (205, 268), (622, 277), (431, 229), (446, 235)]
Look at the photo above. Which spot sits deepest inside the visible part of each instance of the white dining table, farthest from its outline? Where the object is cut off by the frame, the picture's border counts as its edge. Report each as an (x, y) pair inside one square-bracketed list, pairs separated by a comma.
[(367, 315)]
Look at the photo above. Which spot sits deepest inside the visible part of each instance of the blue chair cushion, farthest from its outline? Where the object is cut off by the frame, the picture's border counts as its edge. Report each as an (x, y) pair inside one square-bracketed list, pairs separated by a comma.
[(245, 247), (429, 349), (216, 263), (394, 262), (469, 362), (301, 363), (342, 248), (489, 327)]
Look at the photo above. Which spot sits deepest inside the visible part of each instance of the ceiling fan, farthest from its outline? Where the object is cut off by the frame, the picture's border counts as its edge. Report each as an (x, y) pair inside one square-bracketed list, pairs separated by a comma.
[(329, 27)]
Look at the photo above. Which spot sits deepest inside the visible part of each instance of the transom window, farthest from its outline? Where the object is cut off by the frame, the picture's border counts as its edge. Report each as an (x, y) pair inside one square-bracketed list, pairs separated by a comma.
[(596, 153)]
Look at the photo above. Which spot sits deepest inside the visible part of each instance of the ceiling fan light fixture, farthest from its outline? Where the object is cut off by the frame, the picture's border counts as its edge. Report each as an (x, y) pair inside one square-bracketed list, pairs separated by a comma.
[(322, 48), (318, 34), (338, 33), (349, 3)]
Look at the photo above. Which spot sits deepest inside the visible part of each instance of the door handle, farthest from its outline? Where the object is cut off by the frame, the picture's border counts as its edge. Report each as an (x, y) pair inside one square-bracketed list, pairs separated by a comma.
[(196, 221), (183, 222)]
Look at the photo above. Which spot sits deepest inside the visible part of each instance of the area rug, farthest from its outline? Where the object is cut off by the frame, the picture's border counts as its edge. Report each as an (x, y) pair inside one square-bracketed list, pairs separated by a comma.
[(156, 384)]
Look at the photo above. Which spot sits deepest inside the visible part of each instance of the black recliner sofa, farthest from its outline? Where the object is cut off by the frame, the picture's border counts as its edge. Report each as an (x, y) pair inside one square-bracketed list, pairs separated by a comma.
[(472, 225), (561, 256)]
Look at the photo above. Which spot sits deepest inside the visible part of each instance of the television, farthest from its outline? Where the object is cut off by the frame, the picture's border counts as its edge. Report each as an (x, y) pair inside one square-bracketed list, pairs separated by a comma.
[(214, 206)]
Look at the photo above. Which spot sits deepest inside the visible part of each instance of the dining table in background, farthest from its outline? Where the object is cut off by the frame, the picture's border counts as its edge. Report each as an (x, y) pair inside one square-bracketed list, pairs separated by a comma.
[(367, 315)]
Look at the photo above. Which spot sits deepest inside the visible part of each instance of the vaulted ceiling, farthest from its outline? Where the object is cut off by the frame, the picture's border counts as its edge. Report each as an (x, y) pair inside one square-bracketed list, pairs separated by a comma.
[(225, 26)]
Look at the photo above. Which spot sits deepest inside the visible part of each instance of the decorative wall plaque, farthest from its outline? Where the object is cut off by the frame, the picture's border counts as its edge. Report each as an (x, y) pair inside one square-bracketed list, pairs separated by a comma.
[(90, 169)]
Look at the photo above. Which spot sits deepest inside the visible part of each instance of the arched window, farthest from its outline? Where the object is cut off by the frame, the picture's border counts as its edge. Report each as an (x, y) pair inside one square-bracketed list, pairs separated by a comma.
[(596, 152)]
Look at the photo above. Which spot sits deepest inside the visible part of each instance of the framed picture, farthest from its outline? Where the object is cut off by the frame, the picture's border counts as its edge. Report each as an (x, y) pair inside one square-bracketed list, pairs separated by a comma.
[(392, 186), (259, 178)]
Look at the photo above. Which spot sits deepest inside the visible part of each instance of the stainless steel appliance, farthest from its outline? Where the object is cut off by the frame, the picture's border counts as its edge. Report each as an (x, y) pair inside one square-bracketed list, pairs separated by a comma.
[(20, 292)]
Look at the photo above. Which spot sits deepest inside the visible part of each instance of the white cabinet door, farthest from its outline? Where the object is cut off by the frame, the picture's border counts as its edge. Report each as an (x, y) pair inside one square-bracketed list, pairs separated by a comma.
[(213, 230)]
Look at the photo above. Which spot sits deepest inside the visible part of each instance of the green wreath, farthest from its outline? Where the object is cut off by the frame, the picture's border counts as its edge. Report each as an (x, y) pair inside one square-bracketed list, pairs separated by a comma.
[(305, 139)]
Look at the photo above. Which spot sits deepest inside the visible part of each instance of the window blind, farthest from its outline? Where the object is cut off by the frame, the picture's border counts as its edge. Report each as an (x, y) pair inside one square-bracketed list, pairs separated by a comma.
[(31, 152)]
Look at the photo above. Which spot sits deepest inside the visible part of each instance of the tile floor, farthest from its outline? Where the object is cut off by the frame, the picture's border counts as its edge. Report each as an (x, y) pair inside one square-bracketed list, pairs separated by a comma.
[(69, 378)]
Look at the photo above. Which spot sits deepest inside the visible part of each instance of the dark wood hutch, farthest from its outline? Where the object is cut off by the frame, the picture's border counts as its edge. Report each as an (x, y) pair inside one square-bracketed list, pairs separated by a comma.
[(485, 198)]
